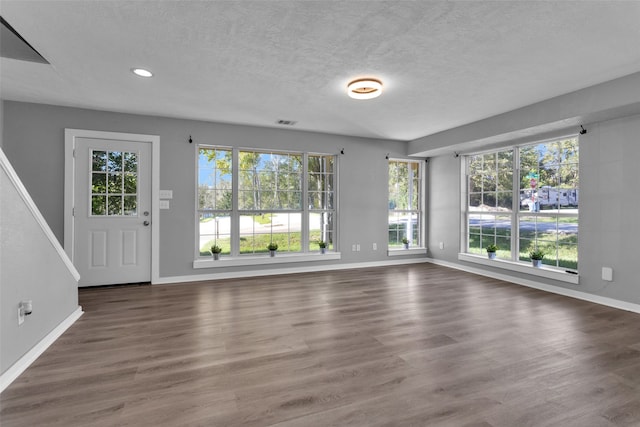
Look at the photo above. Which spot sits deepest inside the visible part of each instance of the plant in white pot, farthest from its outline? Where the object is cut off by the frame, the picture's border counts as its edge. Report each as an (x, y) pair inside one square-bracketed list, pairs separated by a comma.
[(491, 251), (405, 242), (273, 247), (215, 251), (536, 257), (323, 246)]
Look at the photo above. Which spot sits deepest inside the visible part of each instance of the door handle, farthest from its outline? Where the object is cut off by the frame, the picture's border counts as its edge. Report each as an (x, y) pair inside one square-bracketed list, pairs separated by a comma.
[(146, 223)]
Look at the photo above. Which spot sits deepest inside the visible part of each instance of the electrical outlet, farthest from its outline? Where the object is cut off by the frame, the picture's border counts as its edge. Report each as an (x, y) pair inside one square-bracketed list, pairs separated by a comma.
[(441, 245), (375, 246), (607, 274), (358, 247), (353, 247)]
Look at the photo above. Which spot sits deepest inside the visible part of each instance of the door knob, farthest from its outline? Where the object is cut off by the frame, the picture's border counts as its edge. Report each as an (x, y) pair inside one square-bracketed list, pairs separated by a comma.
[(146, 223)]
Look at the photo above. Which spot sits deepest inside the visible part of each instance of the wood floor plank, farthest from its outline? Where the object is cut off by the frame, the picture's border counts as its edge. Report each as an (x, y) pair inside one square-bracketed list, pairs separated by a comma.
[(416, 345)]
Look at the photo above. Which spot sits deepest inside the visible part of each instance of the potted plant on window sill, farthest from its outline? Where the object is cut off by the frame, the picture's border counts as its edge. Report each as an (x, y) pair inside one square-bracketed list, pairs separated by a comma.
[(215, 251), (323, 246), (536, 257), (405, 242), (273, 247), (491, 251)]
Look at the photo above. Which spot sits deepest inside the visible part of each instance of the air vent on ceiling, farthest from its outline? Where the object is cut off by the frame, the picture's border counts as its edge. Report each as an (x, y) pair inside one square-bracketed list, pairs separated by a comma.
[(286, 122), (13, 46)]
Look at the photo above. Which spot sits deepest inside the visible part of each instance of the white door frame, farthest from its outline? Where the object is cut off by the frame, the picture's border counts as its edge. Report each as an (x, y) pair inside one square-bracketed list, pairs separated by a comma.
[(70, 136)]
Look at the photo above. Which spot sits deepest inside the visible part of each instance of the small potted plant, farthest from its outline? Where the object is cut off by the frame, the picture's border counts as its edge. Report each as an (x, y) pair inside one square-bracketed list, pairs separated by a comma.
[(491, 251), (215, 251), (273, 247), (536, 257), (405, 242), (323, 246)]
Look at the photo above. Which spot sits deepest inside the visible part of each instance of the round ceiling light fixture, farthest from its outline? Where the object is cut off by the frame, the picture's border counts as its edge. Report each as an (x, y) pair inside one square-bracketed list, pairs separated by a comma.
[(364, 88), (141, 72)]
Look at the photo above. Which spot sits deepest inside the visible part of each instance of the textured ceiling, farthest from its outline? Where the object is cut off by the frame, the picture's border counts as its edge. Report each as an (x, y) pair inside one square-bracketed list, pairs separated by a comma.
[(443, 64)]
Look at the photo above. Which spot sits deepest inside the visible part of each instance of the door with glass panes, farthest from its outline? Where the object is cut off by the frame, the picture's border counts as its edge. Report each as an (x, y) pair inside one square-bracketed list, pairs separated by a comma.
[(112, 211)]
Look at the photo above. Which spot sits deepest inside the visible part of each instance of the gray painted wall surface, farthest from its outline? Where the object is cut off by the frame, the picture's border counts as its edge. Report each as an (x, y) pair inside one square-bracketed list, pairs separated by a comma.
[(30, 269), (34, 142), (609, 203)]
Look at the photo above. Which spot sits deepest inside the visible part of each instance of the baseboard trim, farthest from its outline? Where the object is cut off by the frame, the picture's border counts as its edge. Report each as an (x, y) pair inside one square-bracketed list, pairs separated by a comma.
[(305, 269), (609, 302), (29, 357)]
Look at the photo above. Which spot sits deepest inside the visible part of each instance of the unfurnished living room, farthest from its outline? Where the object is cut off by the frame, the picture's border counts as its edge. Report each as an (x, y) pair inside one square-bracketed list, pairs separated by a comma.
[(319, 213)]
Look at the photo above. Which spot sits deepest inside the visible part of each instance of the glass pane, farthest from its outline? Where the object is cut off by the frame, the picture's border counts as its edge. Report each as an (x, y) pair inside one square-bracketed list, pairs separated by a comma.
[(130, 205), (475, 183), (489, 182), (505, 201), (206, 199), (114, 183), (489, 200), (130, 183), (114, 161), (224, 199), (475, 200), (320, 229), (215, 229), (98, 183), (98, 205), (115, 205), (99, 161), (131, 162)]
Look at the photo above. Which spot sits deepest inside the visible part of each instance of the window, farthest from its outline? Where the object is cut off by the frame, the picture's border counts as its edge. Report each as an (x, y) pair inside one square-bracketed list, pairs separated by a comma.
[(114, 183), (525, 198), (244, 211), (405, 203)]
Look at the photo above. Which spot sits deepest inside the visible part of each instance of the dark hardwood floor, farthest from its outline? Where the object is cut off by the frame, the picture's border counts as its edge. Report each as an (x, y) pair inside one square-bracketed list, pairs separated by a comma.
[(415, 345)]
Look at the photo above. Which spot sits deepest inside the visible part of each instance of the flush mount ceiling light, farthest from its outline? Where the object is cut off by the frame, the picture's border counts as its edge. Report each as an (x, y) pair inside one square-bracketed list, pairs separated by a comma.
[(141, 72), (364, 88)]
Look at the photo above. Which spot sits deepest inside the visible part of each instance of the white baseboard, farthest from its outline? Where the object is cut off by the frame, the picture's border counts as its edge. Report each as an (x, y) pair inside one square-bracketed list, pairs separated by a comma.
[(305, 269), (29, 357), (609, 302)]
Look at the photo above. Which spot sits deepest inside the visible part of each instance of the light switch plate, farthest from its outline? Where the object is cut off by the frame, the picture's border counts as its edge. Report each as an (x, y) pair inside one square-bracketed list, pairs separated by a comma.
[(164, 204), (166, 194)]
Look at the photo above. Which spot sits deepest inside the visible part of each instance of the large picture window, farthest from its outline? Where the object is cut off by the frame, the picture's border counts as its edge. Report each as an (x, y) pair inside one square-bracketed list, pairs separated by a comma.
[(243, 212), (525, 198), (405, 203)]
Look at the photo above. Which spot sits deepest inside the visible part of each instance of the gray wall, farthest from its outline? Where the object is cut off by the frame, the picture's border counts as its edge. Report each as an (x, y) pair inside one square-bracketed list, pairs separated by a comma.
[(31, 269), (609, 203), (34, 143)]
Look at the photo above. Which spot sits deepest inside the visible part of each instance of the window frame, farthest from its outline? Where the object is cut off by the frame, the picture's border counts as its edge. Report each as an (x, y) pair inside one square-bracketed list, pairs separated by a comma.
[(516, 214), (234, 256), (420, 212)]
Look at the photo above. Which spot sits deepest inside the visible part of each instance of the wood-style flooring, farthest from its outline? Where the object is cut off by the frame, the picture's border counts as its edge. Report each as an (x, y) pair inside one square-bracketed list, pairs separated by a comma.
[(414, 345)]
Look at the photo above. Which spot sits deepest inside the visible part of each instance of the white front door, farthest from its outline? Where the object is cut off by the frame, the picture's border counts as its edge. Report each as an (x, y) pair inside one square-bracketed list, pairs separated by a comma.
[(112, 211)]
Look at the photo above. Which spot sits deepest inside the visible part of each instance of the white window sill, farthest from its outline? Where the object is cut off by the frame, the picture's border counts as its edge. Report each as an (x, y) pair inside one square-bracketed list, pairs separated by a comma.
[(280, 258), (410, 251), (544, 271)]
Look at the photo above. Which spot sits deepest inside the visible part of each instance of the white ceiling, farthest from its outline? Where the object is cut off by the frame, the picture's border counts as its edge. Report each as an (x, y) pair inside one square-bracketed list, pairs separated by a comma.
[(443, 64)]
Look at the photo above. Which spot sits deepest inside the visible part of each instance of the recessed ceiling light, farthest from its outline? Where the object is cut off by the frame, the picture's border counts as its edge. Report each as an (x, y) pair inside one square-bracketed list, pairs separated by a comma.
[(364, 88), (141, 72)]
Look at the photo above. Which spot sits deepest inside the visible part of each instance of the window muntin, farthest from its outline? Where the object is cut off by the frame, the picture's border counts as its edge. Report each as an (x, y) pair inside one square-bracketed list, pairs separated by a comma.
[(269, 188), (114, 183), (544, 212), (405, 203)]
